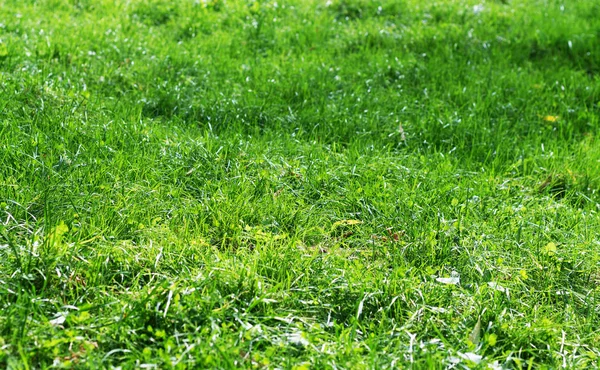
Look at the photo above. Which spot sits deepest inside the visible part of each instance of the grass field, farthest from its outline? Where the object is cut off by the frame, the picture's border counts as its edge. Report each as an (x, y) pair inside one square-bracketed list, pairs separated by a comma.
[(299, 184)]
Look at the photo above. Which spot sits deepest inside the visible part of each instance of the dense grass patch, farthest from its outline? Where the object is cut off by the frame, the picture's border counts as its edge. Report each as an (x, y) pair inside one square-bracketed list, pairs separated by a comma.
[(299, 184)]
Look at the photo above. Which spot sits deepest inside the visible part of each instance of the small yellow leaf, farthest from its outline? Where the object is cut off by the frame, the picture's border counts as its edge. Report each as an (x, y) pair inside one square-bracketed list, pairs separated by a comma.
[(550, 118), (492, 339), (303, 366), (550, 249), (346, 223), (61, 229), (84, 316), (255, 7), (454, 202), (523, 274), (57, 233)]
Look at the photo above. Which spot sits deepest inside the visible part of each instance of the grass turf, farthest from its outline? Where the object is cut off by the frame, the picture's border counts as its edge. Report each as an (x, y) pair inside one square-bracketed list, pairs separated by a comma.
[(299, 184)]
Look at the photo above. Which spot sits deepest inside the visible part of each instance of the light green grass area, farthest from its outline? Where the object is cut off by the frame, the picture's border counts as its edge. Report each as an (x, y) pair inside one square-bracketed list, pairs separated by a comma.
[(299, 184)]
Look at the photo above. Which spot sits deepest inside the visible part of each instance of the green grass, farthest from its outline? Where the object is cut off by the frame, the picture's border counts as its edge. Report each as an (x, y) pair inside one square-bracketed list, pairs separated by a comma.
[(299, 184)]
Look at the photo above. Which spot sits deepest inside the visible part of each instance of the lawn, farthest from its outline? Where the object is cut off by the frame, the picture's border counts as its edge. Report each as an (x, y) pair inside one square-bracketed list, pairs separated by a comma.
[(299, 184)]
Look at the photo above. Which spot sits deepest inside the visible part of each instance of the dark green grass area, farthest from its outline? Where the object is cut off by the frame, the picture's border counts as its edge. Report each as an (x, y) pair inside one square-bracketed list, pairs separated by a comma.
[(299, 184)]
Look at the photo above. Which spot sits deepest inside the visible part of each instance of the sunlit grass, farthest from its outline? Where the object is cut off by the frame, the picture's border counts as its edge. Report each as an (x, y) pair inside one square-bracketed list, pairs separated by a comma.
[(299, 184)]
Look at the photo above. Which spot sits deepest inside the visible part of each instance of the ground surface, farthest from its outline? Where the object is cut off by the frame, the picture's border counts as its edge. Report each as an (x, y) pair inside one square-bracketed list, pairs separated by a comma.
[(299, 184)]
